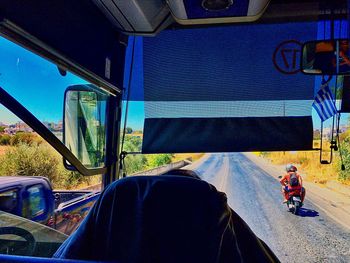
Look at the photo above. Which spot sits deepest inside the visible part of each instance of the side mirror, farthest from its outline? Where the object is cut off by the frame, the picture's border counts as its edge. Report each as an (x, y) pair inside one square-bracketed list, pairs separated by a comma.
[(84, 126), (326, 57)]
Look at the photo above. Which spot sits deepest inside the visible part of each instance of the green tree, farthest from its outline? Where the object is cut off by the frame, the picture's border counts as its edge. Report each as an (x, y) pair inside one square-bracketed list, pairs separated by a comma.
[(139, 162), (132, 144), (129, 130), (2, 129), (156, 160), (134, 162)]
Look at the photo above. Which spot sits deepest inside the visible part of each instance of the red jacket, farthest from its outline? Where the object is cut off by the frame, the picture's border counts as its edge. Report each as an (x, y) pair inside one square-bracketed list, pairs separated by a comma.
[(286, 178)]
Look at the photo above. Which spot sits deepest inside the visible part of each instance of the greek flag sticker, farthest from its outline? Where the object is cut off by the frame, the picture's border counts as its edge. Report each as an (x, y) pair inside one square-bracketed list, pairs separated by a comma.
[(324, 103)]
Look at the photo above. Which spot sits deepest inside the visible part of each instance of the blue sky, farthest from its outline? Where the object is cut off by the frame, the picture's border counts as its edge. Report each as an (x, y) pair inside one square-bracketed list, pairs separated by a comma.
[(37, 84), (33, 81), (6, 116)]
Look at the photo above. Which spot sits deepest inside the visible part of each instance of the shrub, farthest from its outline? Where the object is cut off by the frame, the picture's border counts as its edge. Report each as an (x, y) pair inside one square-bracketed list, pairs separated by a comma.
[(39, 160), (5, 139), (345, 150), (25, 137), (139, 162), (157, 160), (30, 160), (69, 179), (132, 144), (134, 163)]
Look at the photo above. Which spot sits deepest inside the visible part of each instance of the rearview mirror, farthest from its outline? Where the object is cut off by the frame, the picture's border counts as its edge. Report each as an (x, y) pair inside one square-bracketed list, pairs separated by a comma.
[(326, 57), (84, 129)]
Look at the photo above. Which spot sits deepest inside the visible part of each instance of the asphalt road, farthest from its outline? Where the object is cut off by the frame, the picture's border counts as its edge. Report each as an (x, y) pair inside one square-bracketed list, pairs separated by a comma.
[(255, 195)]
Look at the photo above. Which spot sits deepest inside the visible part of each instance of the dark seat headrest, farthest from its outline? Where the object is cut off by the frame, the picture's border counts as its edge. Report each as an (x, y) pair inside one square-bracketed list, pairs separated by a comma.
[(153, 219)]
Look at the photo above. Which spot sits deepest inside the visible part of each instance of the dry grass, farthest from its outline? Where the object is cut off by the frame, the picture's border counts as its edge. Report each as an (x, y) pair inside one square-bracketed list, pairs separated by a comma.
[(308, 164), (3, 149), (134, 134), (94, 180), (183, 156)]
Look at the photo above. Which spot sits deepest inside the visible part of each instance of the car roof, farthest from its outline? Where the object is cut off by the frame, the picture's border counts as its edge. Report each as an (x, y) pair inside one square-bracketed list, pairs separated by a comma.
[(6, 181)]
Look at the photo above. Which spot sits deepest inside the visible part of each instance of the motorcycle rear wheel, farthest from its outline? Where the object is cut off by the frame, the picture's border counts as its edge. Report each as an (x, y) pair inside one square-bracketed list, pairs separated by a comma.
[(290, 209), (296, 208)]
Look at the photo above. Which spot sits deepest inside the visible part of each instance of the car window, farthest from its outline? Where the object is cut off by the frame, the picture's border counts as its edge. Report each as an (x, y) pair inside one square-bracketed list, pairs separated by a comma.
[(8, 200), (36, 198)]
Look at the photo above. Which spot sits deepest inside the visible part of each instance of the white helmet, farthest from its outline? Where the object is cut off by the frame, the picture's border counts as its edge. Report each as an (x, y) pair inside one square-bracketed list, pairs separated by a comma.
[(290, 168)]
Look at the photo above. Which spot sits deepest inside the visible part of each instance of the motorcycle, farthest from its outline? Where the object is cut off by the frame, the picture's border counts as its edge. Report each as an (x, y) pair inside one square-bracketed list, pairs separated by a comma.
[(294, 201)]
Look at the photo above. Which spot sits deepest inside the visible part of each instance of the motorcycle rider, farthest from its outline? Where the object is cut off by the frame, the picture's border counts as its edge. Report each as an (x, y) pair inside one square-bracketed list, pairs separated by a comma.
[(292, 182)]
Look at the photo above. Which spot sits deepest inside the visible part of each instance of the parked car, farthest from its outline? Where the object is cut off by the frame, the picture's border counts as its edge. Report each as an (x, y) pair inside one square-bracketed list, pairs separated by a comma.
[(34, 199)]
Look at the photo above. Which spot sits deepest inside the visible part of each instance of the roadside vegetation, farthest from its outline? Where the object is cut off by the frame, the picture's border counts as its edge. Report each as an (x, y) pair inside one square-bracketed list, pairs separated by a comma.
[(140, 162), (344, 176), (309, 165), (20, 137), (27, 154)]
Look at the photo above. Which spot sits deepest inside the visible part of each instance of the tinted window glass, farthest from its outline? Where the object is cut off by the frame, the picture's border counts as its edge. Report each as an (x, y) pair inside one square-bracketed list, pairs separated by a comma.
[(8, 201), (36, 201)]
